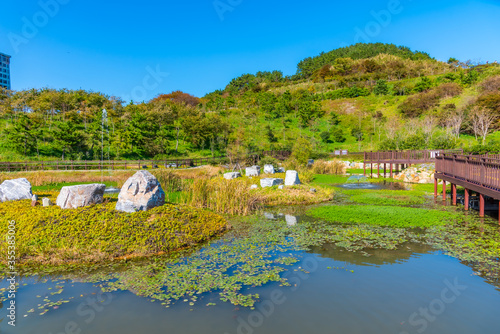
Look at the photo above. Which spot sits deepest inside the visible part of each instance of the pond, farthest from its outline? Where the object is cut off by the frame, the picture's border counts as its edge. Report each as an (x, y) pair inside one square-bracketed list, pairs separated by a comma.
[(322, 288)]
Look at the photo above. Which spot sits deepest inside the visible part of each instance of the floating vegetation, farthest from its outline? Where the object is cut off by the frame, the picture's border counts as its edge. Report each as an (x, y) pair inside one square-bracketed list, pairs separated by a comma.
[(385, 215), (387, 197)]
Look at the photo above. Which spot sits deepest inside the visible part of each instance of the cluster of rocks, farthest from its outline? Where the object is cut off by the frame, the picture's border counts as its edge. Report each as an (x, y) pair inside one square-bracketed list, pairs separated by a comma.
[(141, 192), (417, 174), (291, 177)]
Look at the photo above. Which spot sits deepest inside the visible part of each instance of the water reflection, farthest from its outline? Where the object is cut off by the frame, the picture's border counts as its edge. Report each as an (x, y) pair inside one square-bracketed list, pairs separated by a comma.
[(372, 257)]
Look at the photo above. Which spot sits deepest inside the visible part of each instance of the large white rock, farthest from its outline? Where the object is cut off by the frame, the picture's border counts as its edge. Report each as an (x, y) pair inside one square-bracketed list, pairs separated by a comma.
[(81, 195), (141, 192), (252, 171), (268, 169), (292, 178), (232, 176), (15, 190), (264, 183)]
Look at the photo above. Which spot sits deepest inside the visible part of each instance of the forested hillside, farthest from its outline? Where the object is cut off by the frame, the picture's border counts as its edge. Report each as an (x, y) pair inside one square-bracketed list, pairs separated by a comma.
[(363, 97)]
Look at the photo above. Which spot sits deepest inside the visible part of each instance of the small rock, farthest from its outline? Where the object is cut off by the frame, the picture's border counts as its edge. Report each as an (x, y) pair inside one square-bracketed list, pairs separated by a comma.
[(34, 203), (312, 190), (264, 183), (269, 216), (268, 169), (254, 186), (34, 198), (46, 202), (232, 176), (252, 171), (291, 220), (281, 187), (280, 170)]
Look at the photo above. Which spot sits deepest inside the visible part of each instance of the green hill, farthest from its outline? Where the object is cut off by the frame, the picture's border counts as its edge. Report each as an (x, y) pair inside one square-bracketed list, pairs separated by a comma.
[(364, 97)]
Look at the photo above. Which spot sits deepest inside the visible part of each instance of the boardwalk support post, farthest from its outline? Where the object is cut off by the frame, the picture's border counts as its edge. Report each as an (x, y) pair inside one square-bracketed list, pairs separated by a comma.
[(444, 190), (453, 194), (466, 200), (481, 205), (435, 188), (364, 164)]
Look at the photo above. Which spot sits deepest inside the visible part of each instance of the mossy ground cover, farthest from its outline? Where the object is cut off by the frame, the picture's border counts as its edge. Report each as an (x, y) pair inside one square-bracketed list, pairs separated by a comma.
[(97, 233)]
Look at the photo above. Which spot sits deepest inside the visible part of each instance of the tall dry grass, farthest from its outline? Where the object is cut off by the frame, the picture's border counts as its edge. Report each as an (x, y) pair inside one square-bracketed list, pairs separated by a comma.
[(223, 196), (328, 167)]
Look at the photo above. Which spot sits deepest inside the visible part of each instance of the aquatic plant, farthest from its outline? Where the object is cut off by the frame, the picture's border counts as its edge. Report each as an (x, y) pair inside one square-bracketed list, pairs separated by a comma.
[(384, 215)]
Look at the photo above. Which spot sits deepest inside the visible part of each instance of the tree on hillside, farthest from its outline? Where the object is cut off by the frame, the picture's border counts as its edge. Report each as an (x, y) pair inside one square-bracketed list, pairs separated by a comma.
[(22, 135), (68, 137), (178, 97), (381, 88), (481, 120)]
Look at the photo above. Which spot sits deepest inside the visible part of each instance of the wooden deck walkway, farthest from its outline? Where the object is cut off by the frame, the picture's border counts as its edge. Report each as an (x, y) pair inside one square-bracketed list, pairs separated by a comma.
[(479, 174)]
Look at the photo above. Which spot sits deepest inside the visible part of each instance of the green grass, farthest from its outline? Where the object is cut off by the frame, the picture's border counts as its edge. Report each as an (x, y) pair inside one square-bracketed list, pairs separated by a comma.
[(384, 215), (58, 186), (327, 179)]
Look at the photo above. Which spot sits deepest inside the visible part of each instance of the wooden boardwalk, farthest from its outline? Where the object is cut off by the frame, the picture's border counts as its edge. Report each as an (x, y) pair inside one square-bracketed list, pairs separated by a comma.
[(478, 174), (400, 159)]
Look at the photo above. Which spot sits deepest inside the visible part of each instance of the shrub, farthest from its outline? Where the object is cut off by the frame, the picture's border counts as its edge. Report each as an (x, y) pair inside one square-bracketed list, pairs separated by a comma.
[(381, 88), (443, 142), (450, 89), (337, 135), (325, 137), (491, 84), (417, 104), (301, 151)]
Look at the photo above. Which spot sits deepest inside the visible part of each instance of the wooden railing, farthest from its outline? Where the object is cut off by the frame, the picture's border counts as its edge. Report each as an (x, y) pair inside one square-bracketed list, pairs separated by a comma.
[(483, 170), (129, 164), (409, 157)]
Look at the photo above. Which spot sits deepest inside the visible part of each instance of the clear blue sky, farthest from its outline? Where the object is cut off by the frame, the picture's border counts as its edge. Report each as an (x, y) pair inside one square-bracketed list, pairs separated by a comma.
[(109, 46)]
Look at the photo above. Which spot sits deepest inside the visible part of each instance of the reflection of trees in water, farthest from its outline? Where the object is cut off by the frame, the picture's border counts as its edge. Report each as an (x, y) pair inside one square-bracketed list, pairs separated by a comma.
[(371, 257)]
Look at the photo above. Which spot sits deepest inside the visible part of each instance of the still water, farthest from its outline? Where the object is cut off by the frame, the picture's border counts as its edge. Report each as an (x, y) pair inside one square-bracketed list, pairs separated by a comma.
[(411, 290)]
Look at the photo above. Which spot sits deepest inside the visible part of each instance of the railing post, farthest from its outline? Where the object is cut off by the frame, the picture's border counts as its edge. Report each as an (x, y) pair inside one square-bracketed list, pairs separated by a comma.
[(364, 163)]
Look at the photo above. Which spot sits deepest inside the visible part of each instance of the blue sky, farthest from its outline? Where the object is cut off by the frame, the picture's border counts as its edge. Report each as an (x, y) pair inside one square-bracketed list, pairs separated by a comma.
[(138, 49)]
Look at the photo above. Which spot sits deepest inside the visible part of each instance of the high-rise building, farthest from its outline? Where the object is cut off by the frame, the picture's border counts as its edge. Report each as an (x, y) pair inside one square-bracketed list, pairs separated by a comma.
[(4, 71)]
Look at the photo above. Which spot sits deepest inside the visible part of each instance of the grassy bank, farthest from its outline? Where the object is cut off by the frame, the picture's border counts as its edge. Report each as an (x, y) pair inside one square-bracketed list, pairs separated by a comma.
[(98, 233)]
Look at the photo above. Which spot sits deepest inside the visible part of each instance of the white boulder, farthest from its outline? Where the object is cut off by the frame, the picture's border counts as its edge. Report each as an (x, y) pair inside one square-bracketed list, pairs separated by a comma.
[(141, 192), (264, 183), (81, 195), (292, 178), (268, 169), (252, 171), (15, 190), (232, 176)]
